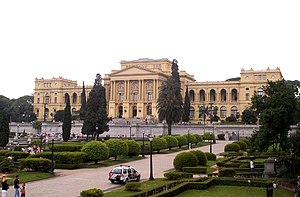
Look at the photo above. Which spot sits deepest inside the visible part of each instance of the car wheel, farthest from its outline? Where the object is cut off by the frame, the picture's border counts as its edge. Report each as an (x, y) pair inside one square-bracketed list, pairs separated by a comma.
[(124, 181), (138, 178), (112, 181)]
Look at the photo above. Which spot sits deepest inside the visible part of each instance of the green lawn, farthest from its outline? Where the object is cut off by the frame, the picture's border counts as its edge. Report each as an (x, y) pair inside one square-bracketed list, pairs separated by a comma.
[(235, 191), (28, 176)]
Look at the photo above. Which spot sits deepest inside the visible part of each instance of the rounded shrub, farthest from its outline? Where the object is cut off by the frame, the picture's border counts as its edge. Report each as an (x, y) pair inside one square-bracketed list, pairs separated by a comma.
[(117, 147), (159, 144), (232, 147), (198, 137), (17, 155), (67, 147), (171, 141), (95, 151), (210, 156), (36, 164), (92, 193), (6, 165), (201, 156), (185, 159), (181, 140), (242, 144), (193, 139), (227, 172), (133, 147), (206, 136), (246, 140)]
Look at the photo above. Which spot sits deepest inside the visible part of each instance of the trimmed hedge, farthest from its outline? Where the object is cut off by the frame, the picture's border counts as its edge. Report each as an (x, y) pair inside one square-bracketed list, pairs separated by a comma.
[(92, 193), (3, 152), (198, 137), (133, 186), (36, 164), (206, 136), (133, 147), (210, 156), (232, 147), (193, 139), (67, 147), (247, 141), (227, 172), (242, 145), (171, 141), (181, 140), (185, 159), (17, 155), (201, 156), (195, 170), (159, 144), (175, 175), (116, 147), (6, 165), (95, 151)]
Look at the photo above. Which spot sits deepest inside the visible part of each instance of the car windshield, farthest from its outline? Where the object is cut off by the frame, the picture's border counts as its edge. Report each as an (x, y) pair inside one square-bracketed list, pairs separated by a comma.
[(117, 170)]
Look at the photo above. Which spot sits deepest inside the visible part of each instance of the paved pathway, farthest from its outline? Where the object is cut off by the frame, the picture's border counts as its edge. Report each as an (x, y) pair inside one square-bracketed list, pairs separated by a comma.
[(69, 183)]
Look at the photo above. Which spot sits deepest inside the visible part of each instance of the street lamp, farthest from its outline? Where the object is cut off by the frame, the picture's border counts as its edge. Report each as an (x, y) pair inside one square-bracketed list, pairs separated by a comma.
[(52, 157), (45, 103), (130, 131), (189, 144), (238, 135), (210, 144), (151, 163), (211, 112), (143, 144)]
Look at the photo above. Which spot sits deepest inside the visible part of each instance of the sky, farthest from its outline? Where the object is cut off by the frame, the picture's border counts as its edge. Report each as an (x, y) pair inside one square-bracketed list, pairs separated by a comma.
[(213, 40)]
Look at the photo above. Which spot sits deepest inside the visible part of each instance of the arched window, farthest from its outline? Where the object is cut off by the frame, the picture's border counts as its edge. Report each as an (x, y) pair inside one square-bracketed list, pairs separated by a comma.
[(134, 111), (192, 95), (223, 112), (212, 95), (149, 110), (192, 112), (120, 111), (234, 95), (37, 112), (202, 95), (234, 111), (223, 95), (74, 98), (260, 91)]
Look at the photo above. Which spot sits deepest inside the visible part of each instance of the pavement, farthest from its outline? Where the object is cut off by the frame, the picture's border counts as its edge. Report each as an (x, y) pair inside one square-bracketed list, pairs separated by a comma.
[(69, 183)]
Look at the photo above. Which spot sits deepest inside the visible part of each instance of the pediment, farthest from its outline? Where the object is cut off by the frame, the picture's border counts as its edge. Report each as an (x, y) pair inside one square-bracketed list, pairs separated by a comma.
[(134, 70)]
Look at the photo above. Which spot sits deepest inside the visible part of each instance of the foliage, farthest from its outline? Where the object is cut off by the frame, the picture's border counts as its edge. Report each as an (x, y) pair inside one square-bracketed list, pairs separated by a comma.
[(16, 155), (295, 143), (181, 140), (210, 156), (59, 116), (67, 123), (96, 118), (175, 175), (201, 157), (83, 103), (159, 144), (198, 137), (195, 170), (96, 151), (206, 136), (231, 118), (193, 139), (221, 136), (116, 147), (185, 159), (169, 101), (133, 186), (247, 141), (36, 164), (91, 193), (232, 147), (63, 157), (36, 142), (227, 172), (67, 147), (171, 141), (4, 128), (6, 165), (21, 109), (186, 106), (277, 108), (134, 147), (249, 116), (242, 145)]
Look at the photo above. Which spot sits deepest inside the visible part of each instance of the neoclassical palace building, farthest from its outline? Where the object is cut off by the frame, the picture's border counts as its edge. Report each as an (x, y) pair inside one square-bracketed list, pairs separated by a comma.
[(132, 91)]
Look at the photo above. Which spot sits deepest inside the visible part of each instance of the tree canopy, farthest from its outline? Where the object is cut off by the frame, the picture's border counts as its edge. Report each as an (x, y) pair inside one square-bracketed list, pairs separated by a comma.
[(67, 123), (83, 103), (186, 106)]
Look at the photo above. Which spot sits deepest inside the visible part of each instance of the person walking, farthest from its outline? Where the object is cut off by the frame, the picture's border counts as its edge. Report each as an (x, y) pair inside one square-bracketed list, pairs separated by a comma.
[(298, 187), (251, 165), (4, 186), (23, 191), (17, 186)]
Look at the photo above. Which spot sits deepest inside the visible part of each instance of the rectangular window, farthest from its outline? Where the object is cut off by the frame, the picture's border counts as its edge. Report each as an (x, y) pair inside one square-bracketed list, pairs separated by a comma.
[(38, 100), (149, 96), (135, 96), (121, 96), (247, 96), (55, 100)]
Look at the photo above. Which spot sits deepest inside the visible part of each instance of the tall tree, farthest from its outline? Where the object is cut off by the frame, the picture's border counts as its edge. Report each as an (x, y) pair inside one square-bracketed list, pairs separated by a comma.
[(67, 123), (169, 101), (276, 109), (186, 106), (95, 122), (21, 109), (4, 121), (83, 103), (249, 116)]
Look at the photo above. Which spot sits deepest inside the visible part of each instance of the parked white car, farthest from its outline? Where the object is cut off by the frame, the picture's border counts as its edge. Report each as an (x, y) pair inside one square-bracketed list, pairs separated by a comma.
[(123, 173)]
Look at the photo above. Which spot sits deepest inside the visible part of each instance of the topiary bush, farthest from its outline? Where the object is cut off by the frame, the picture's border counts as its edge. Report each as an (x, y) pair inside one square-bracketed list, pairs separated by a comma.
[(198, 137), (175, 175), (92, 193), (95, 151), (181, 140), (206, 136), (242, 144), (185, 159), (246, 140), (133, 186), (17, 155), (171, 141), (67, 147), (227, 172), (201, 156), (159, 144), (210, 156), (133, 147), (36, 164), (6, 165), (193, 139), (116, 147), (3, 152), (232, 147)]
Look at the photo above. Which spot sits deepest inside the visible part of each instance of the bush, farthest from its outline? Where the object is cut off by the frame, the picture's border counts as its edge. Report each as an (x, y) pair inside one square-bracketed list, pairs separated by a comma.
[(67, 147), (36, 164), (17, 155), (92, 193), (6, 165), (133, 147), (159, 144), (242, 144), (95, 151), (227, 172), (36, 142), (175, 175), (210, 156), (221, 136), (202, 160), (206, 136), (63, 157), (181, 140), (116, 147), (198, 137), (3, 152), (195, 170), (171, 141), (185, 159), (133, 186), (232, 147), (193, 139)]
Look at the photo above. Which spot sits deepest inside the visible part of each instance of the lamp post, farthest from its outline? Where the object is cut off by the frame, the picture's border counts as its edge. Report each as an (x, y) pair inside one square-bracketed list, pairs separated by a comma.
[(211, 112), (143, 144), (238, 135), (151, 164), (189, 138), (45, 104), (129, 131), (52, 157), (210, 144)]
